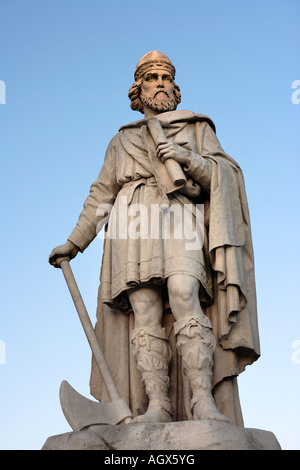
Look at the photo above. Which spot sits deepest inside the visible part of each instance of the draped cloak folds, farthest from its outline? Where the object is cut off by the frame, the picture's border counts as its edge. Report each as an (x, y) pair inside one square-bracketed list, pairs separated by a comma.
[(228, 295)]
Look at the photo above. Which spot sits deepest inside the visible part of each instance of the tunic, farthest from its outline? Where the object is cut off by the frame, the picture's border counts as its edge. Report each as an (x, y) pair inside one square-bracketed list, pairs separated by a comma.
[(143, 243)]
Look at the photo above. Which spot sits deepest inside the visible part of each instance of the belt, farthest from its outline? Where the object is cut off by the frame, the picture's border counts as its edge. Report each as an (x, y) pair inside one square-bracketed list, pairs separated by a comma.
[(133, 184)]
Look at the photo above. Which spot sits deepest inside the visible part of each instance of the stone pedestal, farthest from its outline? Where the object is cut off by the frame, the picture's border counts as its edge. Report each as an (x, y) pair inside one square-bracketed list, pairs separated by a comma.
[(183, 435)]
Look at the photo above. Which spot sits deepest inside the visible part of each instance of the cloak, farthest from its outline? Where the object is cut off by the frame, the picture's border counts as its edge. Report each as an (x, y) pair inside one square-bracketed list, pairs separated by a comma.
[(231, 307)]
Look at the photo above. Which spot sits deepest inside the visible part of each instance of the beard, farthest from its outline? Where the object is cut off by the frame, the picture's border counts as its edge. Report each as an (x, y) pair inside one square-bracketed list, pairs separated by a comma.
[(160, 102)]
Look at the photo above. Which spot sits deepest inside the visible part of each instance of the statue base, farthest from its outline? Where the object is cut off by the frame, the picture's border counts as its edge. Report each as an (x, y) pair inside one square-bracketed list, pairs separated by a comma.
[(182, 435)]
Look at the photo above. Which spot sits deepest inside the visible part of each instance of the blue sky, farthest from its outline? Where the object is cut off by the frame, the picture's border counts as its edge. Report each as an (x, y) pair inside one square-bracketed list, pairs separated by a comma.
[(67, 66)]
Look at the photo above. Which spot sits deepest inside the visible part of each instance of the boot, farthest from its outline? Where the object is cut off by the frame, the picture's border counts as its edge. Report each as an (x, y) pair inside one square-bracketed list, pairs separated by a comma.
[(153, 353), (196, 345)]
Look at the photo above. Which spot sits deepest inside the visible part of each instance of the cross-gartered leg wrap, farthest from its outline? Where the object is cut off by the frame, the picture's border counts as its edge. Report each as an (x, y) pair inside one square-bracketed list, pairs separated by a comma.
[(196, 345), (153, 353)]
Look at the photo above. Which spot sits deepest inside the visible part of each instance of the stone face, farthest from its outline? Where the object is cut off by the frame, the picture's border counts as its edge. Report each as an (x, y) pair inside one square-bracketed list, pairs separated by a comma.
[(184, 435)]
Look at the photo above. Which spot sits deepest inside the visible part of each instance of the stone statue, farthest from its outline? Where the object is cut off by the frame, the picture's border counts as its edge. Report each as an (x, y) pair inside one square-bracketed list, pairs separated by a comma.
[(176, 317)]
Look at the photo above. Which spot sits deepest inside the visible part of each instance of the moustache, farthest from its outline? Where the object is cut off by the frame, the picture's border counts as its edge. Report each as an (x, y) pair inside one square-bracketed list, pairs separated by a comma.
[(160, 91)]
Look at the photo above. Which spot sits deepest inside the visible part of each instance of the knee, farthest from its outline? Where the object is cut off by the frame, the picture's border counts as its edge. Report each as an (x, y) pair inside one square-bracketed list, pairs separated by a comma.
[(144, 300), (147, 307), (182, 288)]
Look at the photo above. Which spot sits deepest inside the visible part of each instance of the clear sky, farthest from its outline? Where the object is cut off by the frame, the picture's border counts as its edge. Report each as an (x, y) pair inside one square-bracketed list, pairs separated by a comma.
[(65, 70)]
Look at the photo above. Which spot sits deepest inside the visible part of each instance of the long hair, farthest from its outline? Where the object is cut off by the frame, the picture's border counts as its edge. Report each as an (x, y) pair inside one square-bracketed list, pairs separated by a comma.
[(134, 95)]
